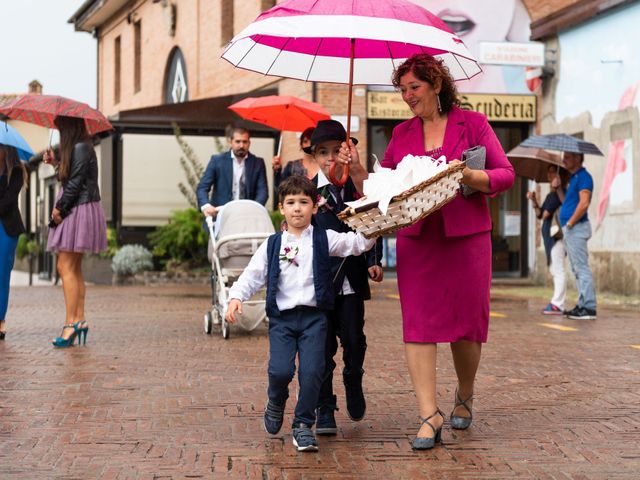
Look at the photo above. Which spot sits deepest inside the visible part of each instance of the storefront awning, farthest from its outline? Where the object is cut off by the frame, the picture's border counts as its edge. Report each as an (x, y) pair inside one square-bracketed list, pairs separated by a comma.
[(210, 114)]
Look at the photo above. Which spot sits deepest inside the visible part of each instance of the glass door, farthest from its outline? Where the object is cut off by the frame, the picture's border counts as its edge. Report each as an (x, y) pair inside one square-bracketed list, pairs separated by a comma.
[(509, 214), (508, 210)]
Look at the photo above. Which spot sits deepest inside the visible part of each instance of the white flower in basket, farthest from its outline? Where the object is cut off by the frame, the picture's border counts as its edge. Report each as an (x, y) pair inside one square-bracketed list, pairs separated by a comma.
[(398, 198)]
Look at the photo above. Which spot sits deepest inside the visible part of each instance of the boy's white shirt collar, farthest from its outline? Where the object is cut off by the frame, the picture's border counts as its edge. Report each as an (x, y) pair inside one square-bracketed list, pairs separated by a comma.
[(322, 179), (305, 233)]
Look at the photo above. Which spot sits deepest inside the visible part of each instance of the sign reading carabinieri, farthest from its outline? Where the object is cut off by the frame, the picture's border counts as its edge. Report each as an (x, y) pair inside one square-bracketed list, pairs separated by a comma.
[(497, 108)]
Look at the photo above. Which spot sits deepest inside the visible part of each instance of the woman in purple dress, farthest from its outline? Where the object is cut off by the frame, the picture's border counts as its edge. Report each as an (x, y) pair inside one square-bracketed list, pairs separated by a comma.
[(78, 223), (443, 261)]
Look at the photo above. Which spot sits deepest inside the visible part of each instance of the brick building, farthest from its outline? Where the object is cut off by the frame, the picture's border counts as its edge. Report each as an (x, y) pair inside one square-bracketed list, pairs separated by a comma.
[(159, 60)]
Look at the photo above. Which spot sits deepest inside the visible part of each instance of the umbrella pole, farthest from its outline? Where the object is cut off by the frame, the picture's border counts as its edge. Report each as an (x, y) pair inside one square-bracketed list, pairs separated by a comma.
[(345, 168), (284, 121), (353, 45)]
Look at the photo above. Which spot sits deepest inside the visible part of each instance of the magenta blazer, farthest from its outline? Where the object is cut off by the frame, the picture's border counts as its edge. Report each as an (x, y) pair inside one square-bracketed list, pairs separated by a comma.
[(465, 129)]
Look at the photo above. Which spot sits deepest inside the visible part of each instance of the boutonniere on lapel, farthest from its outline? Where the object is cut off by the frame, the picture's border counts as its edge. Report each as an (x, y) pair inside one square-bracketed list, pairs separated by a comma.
[(288, 254), (323, 199)]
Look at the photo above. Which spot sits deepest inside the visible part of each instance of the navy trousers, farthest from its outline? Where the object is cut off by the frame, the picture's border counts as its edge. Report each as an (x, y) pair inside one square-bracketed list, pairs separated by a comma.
[(346, 321), (301, 330)]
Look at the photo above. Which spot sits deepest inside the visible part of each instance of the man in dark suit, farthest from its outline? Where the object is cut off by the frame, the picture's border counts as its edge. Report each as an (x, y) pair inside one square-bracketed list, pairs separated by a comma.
[(236, 174), (351, 284)]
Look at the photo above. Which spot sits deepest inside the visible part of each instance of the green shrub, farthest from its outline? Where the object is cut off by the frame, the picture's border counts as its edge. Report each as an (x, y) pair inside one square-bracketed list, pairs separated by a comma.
[(26, 247), (182, 241), (112, 244), (131, 259), (21, 250), (277, 219), (33, 247)]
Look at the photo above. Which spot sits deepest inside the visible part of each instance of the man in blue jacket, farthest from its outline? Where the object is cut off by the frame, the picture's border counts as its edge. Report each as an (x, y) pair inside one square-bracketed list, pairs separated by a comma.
[(236, 174)]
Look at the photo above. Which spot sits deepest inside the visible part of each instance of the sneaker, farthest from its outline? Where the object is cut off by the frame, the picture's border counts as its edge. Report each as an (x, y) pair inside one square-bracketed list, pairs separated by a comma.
[(356, 404), (304, 439), (551, 309), (583, 314), (273, 417), (573, 311), (325, 418)]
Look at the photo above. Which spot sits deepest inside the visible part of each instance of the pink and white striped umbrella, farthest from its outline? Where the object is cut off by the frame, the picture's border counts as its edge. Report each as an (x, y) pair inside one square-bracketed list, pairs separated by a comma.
[(339, 41), (315, 40)]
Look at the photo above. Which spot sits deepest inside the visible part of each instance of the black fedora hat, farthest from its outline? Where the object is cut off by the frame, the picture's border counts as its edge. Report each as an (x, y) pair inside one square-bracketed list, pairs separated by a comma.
[(325, 131)]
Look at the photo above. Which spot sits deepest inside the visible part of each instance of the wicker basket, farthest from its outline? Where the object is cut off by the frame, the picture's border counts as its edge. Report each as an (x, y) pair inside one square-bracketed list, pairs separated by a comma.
[(408, 207)]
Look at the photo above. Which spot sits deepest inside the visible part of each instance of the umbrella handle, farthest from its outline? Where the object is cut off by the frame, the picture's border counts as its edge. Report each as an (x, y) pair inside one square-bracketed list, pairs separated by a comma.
[(332, 174), (345, 168)]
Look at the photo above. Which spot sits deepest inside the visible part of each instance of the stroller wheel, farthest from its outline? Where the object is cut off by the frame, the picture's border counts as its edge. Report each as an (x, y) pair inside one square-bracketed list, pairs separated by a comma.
[(208, 323), (225, 329)]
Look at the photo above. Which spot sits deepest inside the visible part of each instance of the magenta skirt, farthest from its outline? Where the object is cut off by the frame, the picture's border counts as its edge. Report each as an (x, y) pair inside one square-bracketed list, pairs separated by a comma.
[(444, 284), (84, 230)]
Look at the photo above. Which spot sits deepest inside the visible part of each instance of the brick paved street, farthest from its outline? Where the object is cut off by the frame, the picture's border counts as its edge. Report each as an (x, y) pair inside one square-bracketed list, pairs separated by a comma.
[(151, 396)]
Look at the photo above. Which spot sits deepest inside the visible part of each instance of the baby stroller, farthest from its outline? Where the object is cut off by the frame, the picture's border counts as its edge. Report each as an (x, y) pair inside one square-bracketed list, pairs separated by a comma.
[(239, 229)]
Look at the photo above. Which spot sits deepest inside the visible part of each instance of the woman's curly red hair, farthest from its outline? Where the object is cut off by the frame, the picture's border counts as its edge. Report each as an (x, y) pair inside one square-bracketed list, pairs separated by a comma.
[(430, 70)]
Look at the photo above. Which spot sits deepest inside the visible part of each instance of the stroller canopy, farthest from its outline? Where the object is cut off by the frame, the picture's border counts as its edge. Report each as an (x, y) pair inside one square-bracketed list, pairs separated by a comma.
[(241, 217)]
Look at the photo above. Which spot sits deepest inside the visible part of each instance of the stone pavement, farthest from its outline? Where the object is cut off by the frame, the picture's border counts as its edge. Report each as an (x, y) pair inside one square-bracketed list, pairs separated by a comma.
[(151, 396), (21, 279)]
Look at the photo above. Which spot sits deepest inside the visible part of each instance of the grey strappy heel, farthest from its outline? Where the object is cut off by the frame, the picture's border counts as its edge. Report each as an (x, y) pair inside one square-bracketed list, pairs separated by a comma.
[(458, 422), (421, 443)]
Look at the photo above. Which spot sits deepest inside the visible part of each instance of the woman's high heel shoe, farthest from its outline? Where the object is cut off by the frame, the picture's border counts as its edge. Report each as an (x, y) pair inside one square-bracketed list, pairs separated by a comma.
[(458, 422), (426, 443), (83, 330), (61, 342)]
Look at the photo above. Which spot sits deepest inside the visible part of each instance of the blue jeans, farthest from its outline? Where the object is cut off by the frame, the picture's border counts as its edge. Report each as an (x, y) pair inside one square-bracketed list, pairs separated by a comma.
[(302, 330), (8, 246), (575, 240)]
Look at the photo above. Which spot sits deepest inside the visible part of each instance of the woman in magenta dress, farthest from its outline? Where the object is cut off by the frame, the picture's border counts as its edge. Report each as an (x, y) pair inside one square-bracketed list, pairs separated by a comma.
[(444, 261), (78, 223)]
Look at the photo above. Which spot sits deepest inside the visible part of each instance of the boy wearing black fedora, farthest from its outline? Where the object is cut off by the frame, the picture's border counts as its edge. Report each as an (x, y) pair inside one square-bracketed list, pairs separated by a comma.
[(350, 280)]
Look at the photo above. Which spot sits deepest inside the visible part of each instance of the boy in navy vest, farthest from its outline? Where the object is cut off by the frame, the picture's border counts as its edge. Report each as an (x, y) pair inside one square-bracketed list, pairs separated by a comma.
[(350, 283), (295, 266)]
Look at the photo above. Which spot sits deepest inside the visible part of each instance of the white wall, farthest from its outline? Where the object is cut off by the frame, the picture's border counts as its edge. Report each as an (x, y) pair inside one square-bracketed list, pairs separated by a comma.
[(151, 172), (598, 96)]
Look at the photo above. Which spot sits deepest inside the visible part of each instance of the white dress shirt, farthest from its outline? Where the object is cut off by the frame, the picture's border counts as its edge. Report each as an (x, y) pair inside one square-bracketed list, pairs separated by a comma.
[(238, 173), (295, 284)]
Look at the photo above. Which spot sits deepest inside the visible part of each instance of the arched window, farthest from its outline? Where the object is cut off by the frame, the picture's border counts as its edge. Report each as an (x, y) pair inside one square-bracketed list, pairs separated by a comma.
[(226, 22), (175, 80)]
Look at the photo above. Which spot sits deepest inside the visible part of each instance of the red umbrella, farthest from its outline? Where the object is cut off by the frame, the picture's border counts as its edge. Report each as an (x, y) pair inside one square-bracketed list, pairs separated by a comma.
[(43, 109), (281, 112)]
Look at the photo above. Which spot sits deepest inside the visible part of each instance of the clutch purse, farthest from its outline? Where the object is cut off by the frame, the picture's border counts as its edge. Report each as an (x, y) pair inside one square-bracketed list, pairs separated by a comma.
[(475, 159), (556, 229)]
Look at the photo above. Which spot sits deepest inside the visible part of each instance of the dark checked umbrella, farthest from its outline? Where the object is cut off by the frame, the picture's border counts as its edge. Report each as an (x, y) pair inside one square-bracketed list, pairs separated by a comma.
[(561, 143), (43, 109), (533, 163)]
